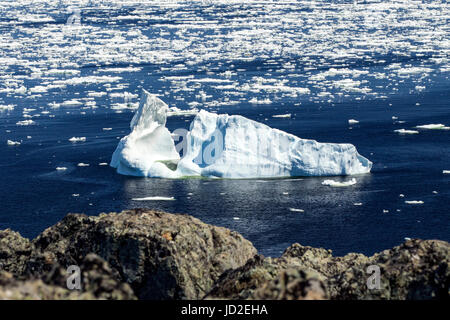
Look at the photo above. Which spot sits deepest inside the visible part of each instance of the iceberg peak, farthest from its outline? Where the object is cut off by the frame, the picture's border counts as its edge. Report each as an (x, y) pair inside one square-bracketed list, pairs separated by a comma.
[(220, 145)]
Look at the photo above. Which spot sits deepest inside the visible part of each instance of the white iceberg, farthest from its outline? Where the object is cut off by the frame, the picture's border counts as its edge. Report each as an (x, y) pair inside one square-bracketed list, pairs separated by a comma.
[(226, 146)]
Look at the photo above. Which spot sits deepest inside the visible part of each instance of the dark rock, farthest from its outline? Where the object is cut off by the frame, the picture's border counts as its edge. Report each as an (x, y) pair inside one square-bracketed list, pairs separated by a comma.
[(161, 255), (97, 279), (292, 284), (14, 252), (417, 269), (36, 289)]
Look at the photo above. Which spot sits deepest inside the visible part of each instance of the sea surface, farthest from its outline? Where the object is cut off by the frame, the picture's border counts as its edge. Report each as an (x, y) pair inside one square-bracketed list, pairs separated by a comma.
[(75, 69)]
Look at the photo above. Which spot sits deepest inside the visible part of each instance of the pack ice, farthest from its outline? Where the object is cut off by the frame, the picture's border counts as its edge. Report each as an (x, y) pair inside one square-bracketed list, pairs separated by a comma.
[(225, 146)]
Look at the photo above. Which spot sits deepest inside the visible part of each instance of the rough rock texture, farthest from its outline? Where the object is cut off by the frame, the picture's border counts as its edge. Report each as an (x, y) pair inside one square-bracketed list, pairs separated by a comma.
[(98, 281), (417, 269), (154, 255), (161, 255), (13, 289), (292, 284), (14, 251)]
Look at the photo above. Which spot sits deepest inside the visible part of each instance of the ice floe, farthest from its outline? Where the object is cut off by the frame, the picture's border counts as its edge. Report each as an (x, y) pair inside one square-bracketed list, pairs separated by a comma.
[(77, 139), (433, 127), (414, 202), (81, 164), (13, 143), (405, 131), (154, 199), (334, 183), (25, 123)]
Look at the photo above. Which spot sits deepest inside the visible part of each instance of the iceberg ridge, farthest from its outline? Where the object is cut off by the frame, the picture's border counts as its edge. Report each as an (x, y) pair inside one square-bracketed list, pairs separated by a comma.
[(226, 146)]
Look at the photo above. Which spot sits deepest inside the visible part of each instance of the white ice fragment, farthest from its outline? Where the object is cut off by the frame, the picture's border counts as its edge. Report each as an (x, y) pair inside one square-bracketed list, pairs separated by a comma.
[(25, 123), (433, 127), (333, 183), (414, 202), (81, 164), (13, 143), (446, 171), (77, 139), (103, 164), (8, 107), (296, 210), (358, 204), (353, 121), (61, 168), (287, 115), (154, 199), (404, 131)]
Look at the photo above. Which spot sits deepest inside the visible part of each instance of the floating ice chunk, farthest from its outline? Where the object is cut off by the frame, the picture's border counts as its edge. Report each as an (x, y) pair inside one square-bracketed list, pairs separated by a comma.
[(446, 171), (154, 199), (103, 164), (13, 143), (77, 139), (61, 168), (227, 147), (353, 121), (433, 127), (296, 210), (414, 202), (256, 101), (358, 204), (81, 164), (107, 129), (404, 131), (333, 183), (72, 103), (25, 123), (8, 107), (287, 115)]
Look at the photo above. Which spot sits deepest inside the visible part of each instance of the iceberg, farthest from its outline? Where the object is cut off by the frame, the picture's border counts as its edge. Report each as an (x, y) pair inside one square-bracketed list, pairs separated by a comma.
[(225, 146)]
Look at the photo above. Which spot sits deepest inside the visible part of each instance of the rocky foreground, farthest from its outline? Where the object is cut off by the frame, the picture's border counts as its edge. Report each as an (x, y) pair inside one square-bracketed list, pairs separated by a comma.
[(145, 254)]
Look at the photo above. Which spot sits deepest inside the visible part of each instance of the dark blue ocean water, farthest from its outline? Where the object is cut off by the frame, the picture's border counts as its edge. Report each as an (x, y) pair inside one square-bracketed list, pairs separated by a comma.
[(256, 60)]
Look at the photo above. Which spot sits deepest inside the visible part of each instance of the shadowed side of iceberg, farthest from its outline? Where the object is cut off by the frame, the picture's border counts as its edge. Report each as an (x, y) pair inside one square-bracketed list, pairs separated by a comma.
[(226, 146)]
